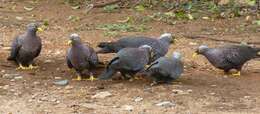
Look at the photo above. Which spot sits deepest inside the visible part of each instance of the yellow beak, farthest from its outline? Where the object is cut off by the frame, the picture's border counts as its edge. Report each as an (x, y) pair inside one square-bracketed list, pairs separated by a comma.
[(40, 29), (194, 55), (69, 42), (175, 40), (258, 53)]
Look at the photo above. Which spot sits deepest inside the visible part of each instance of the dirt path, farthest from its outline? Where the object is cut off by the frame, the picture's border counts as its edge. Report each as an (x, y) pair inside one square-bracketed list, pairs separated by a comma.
[(201, 89)]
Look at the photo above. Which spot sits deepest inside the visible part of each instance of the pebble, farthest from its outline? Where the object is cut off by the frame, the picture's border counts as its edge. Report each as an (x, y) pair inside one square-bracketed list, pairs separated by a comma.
[(102, 95), (9, 76), (36, 83), (193, 43), (5, 87), (90, 105), (213, 85), (212, 93), (165, 104), (247, 97), (61, 82), (18, 77), (180, 92), (68, 87), (6, 48), (138, 99), (127, 108), (2, 71), (57, 78), (43, 99), (19, 18), (48, 61)]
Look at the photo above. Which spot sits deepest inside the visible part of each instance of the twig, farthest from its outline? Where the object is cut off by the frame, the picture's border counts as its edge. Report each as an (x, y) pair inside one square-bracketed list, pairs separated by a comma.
[(218, 40), (107, 3)]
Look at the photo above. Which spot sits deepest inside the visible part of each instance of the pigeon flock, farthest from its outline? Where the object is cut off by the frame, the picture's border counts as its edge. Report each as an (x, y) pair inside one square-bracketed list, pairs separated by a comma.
[(134, 54)]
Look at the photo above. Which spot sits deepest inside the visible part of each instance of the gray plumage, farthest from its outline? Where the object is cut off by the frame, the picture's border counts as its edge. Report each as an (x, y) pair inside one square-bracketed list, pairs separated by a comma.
[(229, 57), (128, 61), (26, 47), (160, 46), (166, 69), (80, 57)]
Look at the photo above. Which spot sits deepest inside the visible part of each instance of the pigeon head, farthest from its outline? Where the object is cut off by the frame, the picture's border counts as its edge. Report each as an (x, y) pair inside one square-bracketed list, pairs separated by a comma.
[(34, 27), (167, 37), (146, 47), (201, 50), (176, 55), (74, 39), (149, 49)]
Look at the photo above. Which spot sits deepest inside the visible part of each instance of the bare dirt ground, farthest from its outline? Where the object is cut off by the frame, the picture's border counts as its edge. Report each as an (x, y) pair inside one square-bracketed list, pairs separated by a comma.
[(201, 89)]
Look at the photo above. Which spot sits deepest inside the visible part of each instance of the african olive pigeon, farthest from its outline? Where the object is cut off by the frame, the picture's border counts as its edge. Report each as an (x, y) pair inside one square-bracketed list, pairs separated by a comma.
[(81, 57), (229, 57), (166, 69), (26, 47), (128, 61), (160, 46)]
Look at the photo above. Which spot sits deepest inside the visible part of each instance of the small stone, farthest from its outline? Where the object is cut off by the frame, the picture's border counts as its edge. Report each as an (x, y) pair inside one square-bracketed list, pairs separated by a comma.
[(12, 90), (165, 104), (57, 101), (6, 48), (177, 91), (247, 97), (53, 100), (19, 18), (57, 78), (68, 87), (2, 71), (90, 105), (193, 43), (213, 85), (44, 99), (36, 83), (48, 61), (212, 93), (127, 108), (30, 100), (5, 87), (8, 76), (102, 95), (18, 77), (61, 82), (138, 99), (12, 80), (189, 91), (205, 18)]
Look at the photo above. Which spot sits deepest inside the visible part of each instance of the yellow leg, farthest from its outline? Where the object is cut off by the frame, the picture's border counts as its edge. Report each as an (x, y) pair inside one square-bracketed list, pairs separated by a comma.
[(138, 77), (32, 67), (21, 67), (236, 74), (92, 78), (78, 78)]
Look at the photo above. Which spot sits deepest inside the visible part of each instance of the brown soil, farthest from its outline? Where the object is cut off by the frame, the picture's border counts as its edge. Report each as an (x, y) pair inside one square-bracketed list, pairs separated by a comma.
[(209, 90)]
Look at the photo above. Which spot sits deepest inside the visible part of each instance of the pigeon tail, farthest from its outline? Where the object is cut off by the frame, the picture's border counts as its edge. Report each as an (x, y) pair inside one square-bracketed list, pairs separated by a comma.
[(107, 47), (10, 58), (107, 74)]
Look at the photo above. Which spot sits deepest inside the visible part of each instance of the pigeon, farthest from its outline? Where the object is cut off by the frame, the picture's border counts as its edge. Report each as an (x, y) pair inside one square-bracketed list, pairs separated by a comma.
[(165, 69), (128, 61), (26, 47), (229, 57), (160, 46), (80, 57)]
